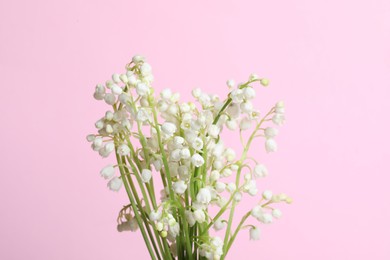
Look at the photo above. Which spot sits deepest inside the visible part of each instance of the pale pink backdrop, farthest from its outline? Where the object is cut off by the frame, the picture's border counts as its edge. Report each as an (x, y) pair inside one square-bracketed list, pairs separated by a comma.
[(328, 60)]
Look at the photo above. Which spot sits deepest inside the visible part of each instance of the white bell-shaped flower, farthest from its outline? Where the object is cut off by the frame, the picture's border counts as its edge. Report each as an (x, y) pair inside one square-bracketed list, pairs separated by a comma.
[(278, 119), (107, 172), (270, 132), (199, 216), (179, 187), (115, 184), (146, 175), (190, 218), (260, 171), (168, 128), (218, 225), (267, 194), (276, 213), (197, 160), (254, 233), (142, 89), (197, 144), (155, 215), (204, 196), (271, 145), (123, 150), (245, 123)]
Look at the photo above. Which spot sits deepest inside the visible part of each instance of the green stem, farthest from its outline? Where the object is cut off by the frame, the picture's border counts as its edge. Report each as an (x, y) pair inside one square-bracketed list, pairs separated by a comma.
[(145, 196), (244, 218), (242, 159), (143, 214), (135, 208), (164, 156)]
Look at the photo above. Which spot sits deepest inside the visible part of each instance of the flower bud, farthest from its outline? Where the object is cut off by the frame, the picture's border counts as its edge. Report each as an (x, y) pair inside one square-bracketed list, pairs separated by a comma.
[(159, 226), (142, 89), (91, 137), (276, 213), (115, 78), (116, 90), (99, 93), (109, 115), (133, 80), (196, 92), (146, 69), (230, 83), (267, 194), (260, 171), (110, 99), (123, 78), (99, 124), (109, 129), (264, 82), (109, 83), (138, 58), (166, 94)]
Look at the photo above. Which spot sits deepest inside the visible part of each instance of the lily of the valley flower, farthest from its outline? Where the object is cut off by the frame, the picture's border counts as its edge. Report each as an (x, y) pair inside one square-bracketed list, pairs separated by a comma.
[(178, 148)]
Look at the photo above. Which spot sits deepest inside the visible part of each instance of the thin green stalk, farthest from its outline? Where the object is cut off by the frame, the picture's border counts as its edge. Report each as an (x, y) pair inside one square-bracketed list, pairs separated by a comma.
[(242, 159), (137, 162), (164, 156), (244, 218), (135, 208), (219, 214), (187, 236), (145, 196), (143, 214)]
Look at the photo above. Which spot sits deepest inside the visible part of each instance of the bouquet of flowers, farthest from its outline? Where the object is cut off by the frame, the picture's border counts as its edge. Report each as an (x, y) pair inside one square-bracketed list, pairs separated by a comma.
[(174, 148)]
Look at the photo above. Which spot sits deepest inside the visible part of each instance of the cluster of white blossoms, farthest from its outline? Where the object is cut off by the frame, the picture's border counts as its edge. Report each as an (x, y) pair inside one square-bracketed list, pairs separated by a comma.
[(179, 144)]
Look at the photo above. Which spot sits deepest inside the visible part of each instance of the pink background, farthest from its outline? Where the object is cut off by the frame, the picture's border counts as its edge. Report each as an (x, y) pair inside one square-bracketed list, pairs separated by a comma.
[(328, 60)]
